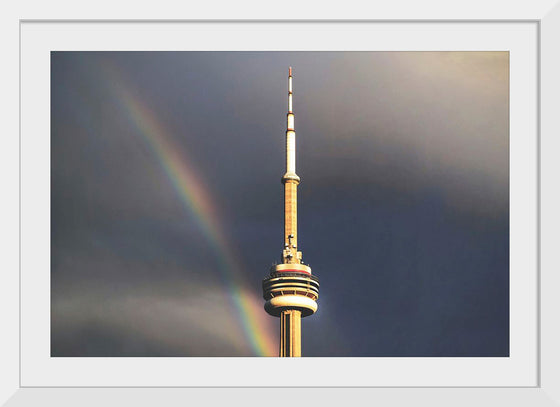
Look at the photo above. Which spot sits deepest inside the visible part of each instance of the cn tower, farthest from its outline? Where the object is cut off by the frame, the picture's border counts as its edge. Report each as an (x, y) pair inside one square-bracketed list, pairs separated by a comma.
[(291, 291)]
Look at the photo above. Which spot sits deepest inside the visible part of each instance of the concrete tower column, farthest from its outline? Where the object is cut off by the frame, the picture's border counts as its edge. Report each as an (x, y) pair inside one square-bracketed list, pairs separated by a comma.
[(290, 333), (290, 218)]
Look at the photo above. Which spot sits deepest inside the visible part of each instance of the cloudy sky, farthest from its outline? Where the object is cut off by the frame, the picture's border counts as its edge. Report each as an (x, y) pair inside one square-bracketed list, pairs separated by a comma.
[(167, 206)]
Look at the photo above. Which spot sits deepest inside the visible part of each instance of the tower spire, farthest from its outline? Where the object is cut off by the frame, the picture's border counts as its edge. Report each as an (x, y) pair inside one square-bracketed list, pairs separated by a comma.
[(290, 91), (290, 181), (291, 291)]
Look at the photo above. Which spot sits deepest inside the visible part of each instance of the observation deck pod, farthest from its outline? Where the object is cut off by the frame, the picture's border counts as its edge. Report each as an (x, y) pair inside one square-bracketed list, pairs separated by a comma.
[(290, 286)]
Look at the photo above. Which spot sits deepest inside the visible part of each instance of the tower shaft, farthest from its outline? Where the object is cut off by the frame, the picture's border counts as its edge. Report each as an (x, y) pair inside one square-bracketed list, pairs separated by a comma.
[(290, 220), (290, 333)]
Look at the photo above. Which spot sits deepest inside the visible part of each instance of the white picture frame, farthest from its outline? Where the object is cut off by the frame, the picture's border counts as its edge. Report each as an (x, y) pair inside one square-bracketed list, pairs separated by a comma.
[(547, 390)]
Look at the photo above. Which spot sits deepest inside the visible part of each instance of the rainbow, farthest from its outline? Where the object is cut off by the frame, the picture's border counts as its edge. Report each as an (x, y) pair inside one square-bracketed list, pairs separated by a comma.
[(198, 202)]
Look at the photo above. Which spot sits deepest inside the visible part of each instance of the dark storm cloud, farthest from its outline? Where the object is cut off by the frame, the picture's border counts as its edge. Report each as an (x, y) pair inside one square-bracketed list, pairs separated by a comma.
[(403, 205)]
